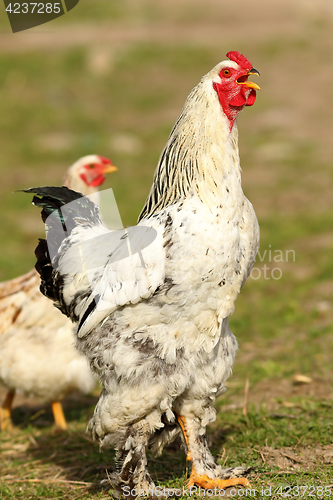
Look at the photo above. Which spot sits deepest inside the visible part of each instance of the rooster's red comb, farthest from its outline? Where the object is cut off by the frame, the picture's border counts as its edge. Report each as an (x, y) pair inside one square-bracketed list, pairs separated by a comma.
[(239, 59)]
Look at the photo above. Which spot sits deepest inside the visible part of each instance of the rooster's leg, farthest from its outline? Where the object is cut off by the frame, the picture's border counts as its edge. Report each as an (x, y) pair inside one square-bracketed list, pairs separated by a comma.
[(205, 472), (131, 478), (6, 409), (58, 414)]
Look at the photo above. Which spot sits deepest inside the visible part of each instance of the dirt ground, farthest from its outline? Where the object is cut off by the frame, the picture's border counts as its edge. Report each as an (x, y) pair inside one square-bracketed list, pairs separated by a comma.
[(297, 458)]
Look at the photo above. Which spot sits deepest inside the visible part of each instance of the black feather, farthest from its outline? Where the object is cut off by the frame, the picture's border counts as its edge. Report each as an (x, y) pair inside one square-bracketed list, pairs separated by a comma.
[(90, 309), (51, 200), (83, 212), (45, 270)]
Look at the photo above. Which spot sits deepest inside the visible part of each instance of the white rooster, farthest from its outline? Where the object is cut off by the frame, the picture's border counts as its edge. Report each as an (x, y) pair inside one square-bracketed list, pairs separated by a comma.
[(154, 325), (37, 355)]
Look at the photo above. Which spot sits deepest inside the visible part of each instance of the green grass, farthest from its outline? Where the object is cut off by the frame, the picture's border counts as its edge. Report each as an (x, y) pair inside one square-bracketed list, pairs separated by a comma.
[(68, 465)]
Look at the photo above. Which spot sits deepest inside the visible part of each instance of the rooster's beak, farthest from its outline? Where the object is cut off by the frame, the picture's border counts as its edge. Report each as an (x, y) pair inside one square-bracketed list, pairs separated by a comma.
[(108, 169), (251, 85)]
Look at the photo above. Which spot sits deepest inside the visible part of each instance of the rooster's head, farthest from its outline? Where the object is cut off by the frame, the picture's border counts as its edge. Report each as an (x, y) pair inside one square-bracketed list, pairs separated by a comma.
[(232, 86)]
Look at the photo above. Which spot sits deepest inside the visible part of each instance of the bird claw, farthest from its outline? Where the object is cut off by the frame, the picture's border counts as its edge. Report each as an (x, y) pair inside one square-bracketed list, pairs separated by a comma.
[(205, 482), (230, 477)]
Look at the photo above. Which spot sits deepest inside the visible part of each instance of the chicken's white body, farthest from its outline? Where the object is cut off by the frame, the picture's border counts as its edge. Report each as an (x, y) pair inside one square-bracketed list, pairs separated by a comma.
[(164, 351), (37, 347), (180, 337), (37, 353)]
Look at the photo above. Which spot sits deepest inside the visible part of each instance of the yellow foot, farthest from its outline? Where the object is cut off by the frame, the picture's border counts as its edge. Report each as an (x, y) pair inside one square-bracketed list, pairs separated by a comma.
[(5, 410), (202, 480), (4, 418), (59, 417), (210, 484), (181, 421)]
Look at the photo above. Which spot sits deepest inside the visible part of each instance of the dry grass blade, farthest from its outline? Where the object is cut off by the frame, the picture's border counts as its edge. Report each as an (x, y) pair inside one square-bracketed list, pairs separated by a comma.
[(282, 415), (246, 394), (293, 457), (65, 481)]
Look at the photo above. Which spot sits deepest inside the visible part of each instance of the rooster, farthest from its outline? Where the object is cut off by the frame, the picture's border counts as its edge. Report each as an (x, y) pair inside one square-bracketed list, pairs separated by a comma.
[(154, 325), (37, 357)]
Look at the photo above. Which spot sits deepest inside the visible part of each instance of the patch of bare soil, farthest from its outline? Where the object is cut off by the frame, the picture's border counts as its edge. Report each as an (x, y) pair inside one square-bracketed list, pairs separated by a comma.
[(205, 23), (268, 392), (296, 458)]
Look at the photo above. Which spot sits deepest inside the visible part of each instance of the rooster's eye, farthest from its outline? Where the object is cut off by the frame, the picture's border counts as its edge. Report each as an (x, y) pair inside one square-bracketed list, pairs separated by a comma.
[(91, 166), (226, 72)]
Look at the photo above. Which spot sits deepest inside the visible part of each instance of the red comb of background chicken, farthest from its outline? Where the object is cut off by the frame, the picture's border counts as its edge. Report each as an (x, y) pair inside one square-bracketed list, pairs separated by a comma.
[(104, 161), (239, 59)]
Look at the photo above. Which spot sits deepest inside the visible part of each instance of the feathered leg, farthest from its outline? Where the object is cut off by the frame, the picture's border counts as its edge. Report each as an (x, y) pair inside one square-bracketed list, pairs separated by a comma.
[(6, 409), (58, 414), (205, 472), (131, 477)]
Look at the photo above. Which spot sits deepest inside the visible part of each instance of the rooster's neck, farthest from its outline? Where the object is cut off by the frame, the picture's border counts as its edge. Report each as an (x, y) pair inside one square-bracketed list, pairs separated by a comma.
[(201, 156), (219, 174)]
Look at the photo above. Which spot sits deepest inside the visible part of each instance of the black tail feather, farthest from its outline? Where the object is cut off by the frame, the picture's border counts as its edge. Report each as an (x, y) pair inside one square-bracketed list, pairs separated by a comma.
[(52, 198), (45, 270), (52, 282), (52, 201)]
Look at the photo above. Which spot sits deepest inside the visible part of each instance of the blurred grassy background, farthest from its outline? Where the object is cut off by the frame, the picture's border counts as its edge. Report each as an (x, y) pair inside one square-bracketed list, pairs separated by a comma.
[(110, 78)]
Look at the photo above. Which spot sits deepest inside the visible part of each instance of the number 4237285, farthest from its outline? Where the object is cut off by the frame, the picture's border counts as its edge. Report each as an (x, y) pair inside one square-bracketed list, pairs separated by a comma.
[(37, 8), (304, 491)]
